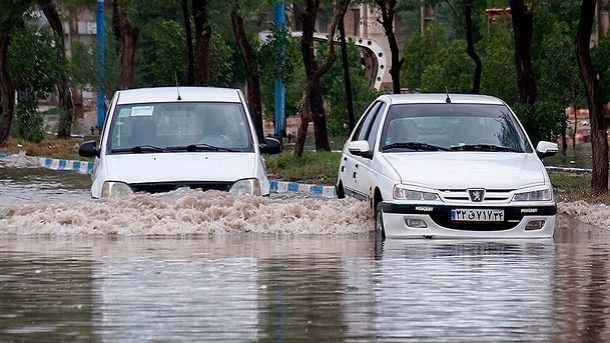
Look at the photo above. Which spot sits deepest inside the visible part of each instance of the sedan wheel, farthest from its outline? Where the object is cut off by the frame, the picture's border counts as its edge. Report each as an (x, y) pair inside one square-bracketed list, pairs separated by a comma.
[(379, 227)]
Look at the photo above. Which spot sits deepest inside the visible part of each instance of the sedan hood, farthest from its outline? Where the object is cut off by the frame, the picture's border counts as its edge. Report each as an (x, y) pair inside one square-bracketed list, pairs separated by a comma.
[(443, 170), (170, 167)]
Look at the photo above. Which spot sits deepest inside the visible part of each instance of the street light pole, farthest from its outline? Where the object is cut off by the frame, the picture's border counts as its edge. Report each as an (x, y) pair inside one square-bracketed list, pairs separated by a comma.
[(100, 64), (280, 90)]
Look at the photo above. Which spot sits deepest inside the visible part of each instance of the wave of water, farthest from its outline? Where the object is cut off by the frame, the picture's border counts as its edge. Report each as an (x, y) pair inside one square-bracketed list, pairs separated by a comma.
[(188, 212)]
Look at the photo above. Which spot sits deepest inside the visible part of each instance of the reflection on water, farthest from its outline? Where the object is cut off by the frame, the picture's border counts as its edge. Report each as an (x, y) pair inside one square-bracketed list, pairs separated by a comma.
[(251, 287), (190, 267)]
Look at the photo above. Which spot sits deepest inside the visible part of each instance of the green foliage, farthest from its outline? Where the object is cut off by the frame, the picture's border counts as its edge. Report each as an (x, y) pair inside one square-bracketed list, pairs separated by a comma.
[(33, 61), (33, 64), (27, 122), (452, 71), (499, 75), (291, 70), (170, 64), (600, 54), (419, 52), (333, 90), (542, 121)]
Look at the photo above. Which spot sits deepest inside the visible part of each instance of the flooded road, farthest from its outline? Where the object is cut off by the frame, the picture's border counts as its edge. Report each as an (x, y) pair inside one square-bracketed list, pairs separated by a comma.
[(193, 267)]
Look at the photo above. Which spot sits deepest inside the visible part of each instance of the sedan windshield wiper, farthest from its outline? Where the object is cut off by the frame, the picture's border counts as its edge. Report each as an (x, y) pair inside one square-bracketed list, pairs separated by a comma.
[(414, 146), (198, 147), (140, 149), (483, 147)]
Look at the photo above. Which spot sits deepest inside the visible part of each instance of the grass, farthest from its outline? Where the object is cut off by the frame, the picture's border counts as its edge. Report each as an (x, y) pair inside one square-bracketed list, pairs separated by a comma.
[(313, 167)]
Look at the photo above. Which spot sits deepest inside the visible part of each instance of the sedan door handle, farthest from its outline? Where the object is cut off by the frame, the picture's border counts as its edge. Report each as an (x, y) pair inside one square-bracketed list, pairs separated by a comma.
[(354, 175)]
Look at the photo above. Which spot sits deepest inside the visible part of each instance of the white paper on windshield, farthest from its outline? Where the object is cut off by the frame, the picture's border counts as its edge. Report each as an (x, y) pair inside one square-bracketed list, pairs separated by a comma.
[(142, 111)]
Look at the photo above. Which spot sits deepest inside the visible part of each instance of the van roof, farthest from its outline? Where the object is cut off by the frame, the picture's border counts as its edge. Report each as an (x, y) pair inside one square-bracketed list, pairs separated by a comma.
[(170, 94)]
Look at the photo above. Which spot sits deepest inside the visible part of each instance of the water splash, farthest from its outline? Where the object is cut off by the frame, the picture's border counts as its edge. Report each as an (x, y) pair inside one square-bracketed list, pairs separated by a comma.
[(188, 212)]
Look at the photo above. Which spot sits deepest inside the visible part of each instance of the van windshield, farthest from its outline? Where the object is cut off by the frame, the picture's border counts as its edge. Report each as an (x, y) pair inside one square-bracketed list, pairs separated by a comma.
[(179, 126)]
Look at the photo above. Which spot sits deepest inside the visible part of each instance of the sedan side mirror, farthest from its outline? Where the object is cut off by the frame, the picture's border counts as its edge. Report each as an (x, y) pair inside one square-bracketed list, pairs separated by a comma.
[(88, 149), (271, 146), (360, 148), (546, 149)]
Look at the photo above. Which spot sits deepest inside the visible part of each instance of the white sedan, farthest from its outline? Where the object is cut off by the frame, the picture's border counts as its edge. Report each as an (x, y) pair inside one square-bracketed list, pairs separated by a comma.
[(448, 166)]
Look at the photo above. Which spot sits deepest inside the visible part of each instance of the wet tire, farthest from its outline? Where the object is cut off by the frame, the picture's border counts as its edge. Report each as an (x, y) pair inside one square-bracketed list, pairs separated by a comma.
[(379, 226), (340, 191)]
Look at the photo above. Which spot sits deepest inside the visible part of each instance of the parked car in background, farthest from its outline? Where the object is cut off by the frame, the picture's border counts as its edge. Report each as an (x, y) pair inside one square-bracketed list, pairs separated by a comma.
[(160, 139), (448, 165)]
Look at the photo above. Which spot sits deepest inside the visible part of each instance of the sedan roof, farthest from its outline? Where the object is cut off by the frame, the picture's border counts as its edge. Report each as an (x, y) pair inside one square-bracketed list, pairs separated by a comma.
[(171, 94), (439, 98)]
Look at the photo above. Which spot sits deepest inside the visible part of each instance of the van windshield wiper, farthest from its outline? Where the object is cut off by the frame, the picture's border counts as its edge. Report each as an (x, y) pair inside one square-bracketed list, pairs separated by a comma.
[(484, 147), (198, 147), (140, 149), (414, 146)]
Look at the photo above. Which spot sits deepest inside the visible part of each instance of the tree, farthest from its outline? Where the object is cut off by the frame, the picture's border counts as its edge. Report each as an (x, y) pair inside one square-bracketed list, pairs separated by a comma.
[(594, 95), (11, 16), (312, 105), (388, 10), (128, 35), (33, 66), (66, 102), (248, 54), (523, 28), (203, 36)]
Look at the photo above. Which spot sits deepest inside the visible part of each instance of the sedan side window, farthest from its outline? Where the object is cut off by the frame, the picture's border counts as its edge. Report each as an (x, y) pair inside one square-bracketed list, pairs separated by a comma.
[(364, 128)]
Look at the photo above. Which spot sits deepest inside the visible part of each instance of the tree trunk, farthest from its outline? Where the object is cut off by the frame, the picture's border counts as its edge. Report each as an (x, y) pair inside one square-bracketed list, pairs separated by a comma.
[(252, 72), (7, 91), (203, 36), (593, 91), (388, 15), (129, 36), (64, 92), (77, 94), (347, 80), (476, 82), (523, 27), (190, 55), (312, 108)]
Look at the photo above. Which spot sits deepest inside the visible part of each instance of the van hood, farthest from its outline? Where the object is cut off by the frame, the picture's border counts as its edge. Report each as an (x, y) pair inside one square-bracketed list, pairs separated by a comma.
[(146, 167), (443, 170)]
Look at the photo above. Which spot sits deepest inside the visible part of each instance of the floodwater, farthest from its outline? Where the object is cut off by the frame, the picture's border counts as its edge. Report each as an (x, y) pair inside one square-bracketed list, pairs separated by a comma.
[(198, 267)]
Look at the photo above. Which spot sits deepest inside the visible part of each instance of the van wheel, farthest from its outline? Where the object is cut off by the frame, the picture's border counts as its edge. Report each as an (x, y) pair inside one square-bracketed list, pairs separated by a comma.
[(379, 226), (340, 191)]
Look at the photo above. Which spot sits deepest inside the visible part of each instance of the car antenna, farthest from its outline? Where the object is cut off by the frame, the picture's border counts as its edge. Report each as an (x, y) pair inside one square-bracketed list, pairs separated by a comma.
[(177, 88), (448, 100)]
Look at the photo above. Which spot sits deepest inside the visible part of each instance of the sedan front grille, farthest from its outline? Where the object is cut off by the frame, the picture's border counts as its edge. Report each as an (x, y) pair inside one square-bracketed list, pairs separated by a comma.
[(462, 196), (160, 187)]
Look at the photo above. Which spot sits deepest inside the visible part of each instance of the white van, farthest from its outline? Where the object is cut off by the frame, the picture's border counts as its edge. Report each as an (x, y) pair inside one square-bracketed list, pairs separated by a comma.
[(160, 139)]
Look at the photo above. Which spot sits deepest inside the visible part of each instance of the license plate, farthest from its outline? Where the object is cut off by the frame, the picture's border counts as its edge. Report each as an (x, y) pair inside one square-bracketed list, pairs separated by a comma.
[(477, 215)]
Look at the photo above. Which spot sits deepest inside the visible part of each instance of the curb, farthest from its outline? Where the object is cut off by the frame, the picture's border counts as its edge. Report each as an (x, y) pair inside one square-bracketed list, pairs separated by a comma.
[(81, 167)]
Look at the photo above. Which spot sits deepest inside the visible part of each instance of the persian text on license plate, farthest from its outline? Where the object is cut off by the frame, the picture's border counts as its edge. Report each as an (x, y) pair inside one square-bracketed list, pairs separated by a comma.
[(477, 215)]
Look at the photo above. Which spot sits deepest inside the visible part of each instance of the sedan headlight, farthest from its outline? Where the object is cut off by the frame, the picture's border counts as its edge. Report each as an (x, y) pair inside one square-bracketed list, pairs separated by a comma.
[(113, 188), (545, 194), (401, 193), (246, 187)]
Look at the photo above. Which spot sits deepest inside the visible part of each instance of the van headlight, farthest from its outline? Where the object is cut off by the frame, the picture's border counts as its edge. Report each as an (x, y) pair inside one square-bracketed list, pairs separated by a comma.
[(246, 187), (545, 194), (113, 188), (401, 193)]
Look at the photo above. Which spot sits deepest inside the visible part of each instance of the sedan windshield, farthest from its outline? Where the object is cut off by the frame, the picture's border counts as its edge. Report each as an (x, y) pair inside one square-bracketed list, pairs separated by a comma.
[(452, 127), (179, 127)]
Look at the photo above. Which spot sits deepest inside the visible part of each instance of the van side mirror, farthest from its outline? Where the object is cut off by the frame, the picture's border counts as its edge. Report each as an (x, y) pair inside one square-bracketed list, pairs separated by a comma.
[(88, 149), (546, 149), (271, 146)]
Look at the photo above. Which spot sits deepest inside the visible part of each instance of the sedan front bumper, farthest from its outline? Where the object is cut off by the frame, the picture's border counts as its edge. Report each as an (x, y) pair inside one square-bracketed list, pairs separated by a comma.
[(435, 221)]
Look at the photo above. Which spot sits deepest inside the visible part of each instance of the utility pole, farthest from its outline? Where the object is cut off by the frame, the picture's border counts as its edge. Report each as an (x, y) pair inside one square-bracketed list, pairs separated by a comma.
[(100, 64), (280, 90)]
